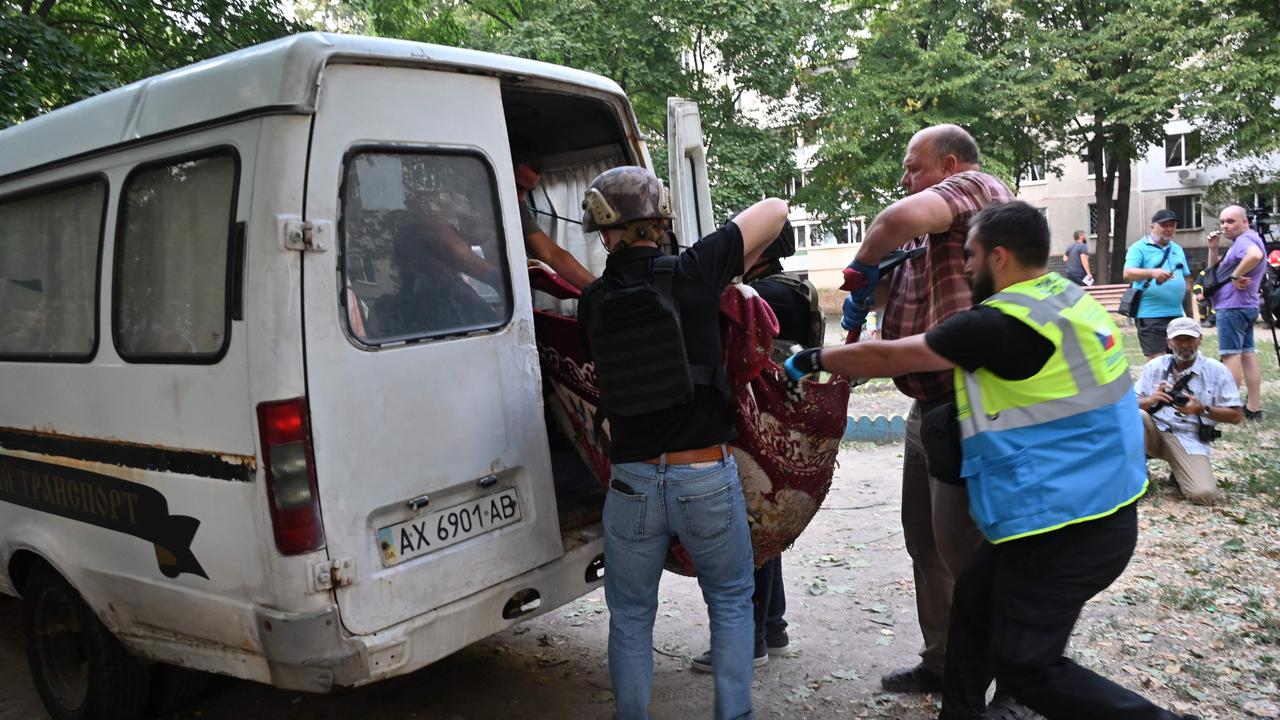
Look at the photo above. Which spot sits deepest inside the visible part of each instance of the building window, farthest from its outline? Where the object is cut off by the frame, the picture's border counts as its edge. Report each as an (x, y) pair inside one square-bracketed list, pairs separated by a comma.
[(1093, 219), (802, 236), (1090, 167), (1182, 149), (1033, 174), (1187, 208)]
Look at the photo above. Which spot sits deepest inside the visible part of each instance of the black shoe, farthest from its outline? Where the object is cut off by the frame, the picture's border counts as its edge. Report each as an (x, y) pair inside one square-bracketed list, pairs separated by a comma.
[(914, 679), (1253, 415), (702, 663), (1004, 707), (777, 642)]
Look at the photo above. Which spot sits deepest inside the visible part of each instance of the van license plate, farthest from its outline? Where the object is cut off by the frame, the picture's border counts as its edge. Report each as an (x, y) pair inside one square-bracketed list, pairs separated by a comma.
[(442, 528)]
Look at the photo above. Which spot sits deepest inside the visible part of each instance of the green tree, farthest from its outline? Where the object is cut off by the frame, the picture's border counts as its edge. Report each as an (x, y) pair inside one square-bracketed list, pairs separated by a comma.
[(1038, 80), (717, 52), (908, 65), (53, 52), (1125, 69)]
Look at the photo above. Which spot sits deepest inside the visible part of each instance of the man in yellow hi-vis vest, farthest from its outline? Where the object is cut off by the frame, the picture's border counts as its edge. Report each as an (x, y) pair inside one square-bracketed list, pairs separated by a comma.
[(1050, 444)]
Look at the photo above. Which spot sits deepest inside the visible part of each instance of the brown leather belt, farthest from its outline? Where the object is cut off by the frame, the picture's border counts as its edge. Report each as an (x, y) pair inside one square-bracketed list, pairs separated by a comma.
[(688, 457)]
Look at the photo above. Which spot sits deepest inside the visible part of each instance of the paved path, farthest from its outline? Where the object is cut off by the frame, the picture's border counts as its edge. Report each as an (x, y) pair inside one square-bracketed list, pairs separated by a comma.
[(849, 605)]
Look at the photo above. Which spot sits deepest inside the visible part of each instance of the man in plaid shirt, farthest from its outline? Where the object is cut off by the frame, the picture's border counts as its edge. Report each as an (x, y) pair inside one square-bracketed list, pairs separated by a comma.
[(945, 189)]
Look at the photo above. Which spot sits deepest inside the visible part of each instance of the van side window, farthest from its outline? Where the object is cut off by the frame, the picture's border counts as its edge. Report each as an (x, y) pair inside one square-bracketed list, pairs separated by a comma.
[(175, 228), (422, 246), (50, 241)]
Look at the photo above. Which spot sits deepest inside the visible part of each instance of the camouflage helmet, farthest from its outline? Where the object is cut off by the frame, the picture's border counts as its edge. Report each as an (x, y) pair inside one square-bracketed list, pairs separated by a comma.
[(622, 195)]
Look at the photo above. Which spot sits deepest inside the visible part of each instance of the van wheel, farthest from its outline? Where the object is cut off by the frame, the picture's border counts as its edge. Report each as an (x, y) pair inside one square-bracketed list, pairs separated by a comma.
[(173, 688), (81, 670)]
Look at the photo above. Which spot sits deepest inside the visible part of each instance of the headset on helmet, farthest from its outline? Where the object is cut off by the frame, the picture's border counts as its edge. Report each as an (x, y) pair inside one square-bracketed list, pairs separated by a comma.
[(622, 195)]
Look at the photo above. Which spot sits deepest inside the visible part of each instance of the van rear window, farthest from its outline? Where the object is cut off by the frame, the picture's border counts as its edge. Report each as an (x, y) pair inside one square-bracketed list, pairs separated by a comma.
[(172, 242), (50, 241), (422, 246)]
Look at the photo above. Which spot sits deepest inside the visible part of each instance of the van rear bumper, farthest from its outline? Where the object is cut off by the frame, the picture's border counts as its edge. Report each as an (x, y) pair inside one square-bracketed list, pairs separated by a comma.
[(311, 652)]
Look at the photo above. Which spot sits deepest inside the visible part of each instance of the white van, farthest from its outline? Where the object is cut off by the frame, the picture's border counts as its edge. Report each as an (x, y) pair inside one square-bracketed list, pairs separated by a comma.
[(251, 422)]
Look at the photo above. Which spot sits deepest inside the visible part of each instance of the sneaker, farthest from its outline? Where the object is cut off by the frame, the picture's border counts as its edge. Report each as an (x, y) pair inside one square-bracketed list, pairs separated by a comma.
[(913, 679), (1253, 415), (1004, 707), (777, 642), (702, 663)]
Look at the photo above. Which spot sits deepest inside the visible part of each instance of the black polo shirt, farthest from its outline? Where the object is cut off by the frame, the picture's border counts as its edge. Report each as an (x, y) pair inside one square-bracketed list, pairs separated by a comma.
[(984, 337), (701, 275)]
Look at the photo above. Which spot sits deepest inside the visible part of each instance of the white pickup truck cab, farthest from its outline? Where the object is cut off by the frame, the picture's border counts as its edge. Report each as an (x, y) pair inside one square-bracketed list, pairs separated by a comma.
[(270, 398)]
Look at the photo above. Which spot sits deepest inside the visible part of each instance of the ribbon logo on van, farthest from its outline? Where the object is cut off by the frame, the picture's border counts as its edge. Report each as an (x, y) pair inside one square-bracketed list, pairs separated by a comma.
[(107, 502)]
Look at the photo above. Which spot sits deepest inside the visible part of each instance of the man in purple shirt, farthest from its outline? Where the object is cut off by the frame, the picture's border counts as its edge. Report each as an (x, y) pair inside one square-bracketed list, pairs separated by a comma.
[(1237, 302)]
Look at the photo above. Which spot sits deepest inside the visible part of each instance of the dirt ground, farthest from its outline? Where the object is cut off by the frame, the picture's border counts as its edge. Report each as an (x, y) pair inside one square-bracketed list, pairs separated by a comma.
[(1192, 623)]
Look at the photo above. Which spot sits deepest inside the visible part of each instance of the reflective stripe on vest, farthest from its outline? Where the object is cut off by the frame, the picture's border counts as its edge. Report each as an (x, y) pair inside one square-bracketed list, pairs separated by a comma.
[(1064, 445)]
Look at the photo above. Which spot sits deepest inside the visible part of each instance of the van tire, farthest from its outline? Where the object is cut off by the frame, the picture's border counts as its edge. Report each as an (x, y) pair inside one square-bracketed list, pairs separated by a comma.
[(80, 669), (173, 688)]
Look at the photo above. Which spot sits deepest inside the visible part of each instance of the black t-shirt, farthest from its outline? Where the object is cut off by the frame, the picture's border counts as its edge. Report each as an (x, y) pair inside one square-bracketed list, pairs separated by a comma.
[(791, 309), (701, 275), (984, 337)]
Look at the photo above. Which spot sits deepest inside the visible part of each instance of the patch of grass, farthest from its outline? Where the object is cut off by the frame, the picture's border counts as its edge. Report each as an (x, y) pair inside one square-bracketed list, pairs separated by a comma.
[(1188, 599), (1256, 474), (1266, 620)]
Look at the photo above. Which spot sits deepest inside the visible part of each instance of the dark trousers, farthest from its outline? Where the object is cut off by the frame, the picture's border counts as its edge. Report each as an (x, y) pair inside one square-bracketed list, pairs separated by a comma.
[(1014, 608), (770, 600)]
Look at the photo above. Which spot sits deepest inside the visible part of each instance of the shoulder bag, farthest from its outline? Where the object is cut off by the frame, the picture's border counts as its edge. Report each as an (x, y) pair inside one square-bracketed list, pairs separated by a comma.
[(1132, 298)]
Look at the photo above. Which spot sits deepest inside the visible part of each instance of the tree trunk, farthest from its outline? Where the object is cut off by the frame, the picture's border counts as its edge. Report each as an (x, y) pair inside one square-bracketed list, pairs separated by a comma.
[(1103, 182), (1120, 235)]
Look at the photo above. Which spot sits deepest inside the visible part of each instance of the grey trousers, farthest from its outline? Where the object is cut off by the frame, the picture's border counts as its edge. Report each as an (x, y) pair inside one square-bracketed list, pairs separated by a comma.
[(941, 538)]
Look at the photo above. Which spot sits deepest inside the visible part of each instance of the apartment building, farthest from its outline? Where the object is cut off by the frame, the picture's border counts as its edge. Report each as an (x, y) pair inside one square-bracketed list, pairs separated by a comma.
[(1172, 175)]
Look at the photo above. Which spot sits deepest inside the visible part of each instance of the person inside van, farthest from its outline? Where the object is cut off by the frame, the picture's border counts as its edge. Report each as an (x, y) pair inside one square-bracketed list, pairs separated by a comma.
[(526, 158), (430, 294)]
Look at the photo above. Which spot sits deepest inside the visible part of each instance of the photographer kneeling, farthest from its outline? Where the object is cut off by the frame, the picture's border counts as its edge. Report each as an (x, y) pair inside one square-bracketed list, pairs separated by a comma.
[(1182, 397)]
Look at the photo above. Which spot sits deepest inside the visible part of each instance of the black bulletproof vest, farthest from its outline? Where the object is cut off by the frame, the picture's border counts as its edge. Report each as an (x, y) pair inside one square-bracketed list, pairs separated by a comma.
[(638, 346), (817, 322)]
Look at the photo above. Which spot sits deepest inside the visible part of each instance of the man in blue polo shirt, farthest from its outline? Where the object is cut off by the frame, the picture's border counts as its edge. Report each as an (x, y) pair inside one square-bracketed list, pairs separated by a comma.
[(1157, 265)]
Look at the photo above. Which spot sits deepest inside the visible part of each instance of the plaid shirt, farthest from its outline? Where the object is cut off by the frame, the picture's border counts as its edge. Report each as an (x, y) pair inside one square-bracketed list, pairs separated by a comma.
[(933, 287)]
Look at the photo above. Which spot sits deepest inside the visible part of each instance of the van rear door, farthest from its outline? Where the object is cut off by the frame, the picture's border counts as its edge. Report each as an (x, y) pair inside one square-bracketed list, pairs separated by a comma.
[(687, 164), (422, 374)]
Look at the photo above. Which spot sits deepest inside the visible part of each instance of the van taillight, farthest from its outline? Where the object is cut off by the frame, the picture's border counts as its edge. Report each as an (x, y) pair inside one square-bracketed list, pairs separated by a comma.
[(291, 476)]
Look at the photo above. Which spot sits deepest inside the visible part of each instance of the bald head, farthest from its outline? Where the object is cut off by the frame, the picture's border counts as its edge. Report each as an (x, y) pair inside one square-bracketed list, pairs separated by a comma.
[(1233, 220), (936, 153), (944, 140)]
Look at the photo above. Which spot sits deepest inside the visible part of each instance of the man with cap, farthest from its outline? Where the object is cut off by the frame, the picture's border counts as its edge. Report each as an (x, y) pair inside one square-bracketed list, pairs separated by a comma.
[(652, 326), (1183, 396), (1158, 266), (800, 322)]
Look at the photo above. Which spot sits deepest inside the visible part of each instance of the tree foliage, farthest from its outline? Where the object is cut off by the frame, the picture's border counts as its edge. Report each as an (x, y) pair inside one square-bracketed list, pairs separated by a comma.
[(717, 52), (53, 52), (1038, 80)]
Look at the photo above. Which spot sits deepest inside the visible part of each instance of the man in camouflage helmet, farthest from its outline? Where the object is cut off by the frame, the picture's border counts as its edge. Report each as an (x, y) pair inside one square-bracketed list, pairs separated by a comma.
[(651, 324)]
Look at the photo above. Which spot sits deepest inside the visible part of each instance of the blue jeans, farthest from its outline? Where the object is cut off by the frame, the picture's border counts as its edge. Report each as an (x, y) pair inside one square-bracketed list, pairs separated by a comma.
[(702, 506)]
